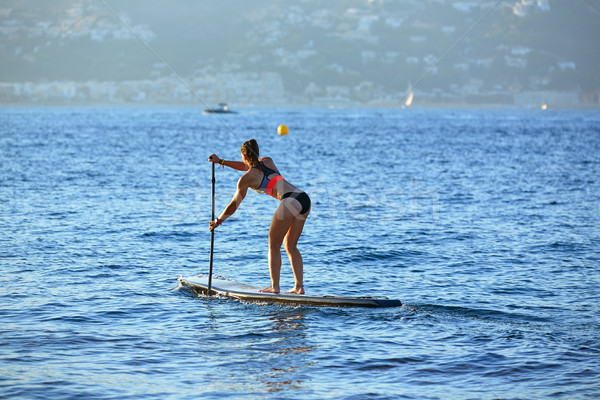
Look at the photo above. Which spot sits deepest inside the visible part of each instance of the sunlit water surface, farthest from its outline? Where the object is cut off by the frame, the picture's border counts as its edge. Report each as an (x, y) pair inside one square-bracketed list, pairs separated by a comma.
[(483, 222)]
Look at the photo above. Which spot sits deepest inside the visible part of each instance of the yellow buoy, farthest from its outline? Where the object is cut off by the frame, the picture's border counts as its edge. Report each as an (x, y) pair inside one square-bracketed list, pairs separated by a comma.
[(282, 130)]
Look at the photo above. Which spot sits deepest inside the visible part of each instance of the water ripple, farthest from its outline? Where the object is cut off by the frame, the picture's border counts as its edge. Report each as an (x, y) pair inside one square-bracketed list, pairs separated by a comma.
[(483, 222)]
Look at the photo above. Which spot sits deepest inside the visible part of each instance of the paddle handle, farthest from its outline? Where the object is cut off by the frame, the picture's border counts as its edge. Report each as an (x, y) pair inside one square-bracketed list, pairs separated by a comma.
[(212, 233)]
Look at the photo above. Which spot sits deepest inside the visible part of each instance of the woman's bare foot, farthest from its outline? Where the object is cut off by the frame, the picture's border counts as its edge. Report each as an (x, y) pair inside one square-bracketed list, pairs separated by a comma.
[(297, 290), (270, 289)]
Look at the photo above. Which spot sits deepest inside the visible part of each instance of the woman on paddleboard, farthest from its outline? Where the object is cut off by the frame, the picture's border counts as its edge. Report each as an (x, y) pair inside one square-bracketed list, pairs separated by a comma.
[(287, 224)]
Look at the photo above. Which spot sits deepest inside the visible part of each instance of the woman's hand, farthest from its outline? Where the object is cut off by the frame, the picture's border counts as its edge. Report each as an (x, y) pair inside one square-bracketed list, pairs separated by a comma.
[(213, 158), (213, 224)]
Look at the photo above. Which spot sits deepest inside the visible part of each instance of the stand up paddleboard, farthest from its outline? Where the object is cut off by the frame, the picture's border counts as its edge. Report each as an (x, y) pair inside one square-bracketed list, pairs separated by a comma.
[(241, 291), (251, 293)]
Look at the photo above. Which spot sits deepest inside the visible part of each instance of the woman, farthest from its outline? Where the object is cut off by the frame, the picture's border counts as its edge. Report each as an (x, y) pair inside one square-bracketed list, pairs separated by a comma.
[(287, 224)]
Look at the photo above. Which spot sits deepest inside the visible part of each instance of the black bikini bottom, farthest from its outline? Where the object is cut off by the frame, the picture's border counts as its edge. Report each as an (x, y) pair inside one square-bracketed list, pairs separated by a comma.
[(302, 198)]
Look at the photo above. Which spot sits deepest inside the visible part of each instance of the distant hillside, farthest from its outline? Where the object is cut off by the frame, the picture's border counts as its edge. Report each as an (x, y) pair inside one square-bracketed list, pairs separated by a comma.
[(361, 49)]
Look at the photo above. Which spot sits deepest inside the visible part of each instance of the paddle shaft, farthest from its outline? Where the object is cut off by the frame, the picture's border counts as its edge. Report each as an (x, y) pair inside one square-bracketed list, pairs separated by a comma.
[(212, 233)]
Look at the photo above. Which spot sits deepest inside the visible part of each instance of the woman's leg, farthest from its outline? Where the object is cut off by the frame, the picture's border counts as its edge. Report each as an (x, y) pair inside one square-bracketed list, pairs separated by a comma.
[(291, 248), (282, 220)]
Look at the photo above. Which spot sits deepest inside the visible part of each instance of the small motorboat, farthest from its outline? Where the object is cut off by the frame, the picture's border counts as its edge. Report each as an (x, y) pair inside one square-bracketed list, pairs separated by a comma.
[(222, 109)]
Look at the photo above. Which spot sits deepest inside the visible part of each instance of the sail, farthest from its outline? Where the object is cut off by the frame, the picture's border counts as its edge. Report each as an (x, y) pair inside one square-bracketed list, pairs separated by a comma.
[(409, 97)]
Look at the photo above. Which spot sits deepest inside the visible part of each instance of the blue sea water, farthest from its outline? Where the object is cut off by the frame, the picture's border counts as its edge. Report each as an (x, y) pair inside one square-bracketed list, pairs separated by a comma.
[(485, 223)]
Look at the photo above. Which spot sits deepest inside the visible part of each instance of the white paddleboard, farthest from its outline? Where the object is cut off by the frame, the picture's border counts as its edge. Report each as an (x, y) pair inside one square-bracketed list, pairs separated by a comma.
[(252, 293)]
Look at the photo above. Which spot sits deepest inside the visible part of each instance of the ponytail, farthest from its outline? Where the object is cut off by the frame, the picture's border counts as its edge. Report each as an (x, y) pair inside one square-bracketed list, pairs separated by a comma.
[(250, 149)]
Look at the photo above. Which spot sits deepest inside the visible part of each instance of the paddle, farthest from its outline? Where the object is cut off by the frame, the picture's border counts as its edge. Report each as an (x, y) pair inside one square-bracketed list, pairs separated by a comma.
[(212, 233)]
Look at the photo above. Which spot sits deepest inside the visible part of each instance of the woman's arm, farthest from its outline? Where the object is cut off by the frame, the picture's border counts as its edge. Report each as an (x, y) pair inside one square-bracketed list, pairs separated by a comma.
[(240, 194), (237, 165)]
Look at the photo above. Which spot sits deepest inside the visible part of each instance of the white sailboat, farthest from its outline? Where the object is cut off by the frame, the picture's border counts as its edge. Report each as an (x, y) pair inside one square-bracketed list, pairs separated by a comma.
[(409, 97)]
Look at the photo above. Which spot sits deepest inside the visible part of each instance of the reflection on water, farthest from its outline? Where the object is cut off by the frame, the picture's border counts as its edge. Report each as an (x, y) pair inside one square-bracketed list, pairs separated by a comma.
[(265, 352), (289, 351)]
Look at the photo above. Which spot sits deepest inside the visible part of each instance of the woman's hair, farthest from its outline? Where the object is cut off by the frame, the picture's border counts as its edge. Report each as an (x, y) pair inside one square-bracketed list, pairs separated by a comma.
[(250, 149)]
